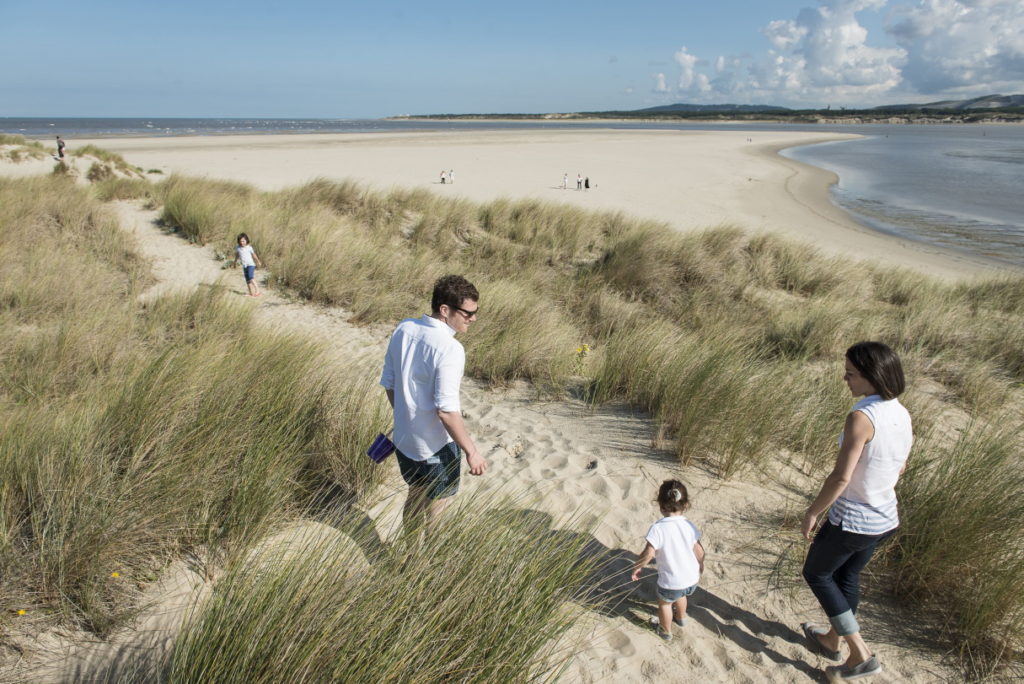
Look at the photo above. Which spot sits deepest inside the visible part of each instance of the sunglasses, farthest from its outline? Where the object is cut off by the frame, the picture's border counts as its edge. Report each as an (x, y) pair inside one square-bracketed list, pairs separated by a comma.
[(467, 314)]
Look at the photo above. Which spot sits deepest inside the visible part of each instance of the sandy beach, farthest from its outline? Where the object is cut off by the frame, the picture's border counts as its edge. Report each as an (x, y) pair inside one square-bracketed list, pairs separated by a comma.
[(688, 179)]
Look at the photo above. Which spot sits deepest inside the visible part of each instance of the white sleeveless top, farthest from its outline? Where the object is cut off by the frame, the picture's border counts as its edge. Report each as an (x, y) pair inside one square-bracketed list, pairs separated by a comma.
[(868, 504)]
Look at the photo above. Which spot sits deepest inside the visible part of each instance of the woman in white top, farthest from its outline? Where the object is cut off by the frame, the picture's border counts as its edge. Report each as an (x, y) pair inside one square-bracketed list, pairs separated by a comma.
[(873, 451)]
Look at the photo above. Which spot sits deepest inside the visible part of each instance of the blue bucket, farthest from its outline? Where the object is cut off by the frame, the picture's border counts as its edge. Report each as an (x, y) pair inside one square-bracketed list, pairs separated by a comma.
[(380, 449)]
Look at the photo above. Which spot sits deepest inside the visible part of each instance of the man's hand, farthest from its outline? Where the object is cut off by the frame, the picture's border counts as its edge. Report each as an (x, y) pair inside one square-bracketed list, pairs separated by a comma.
[(636, 573), (477, 464)]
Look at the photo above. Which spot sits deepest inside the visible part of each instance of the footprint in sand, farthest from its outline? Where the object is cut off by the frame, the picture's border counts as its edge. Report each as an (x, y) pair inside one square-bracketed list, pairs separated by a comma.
[(621, 642)]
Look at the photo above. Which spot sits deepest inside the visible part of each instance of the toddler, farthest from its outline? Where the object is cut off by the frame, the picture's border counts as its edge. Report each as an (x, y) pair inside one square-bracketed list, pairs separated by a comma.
[(247, 255), (674, 542)]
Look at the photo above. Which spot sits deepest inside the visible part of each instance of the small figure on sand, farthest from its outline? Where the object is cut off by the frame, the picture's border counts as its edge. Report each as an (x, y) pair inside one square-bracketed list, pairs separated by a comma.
[(586, 183), (60, 148), (579, 181), (675, 542), (247, 255), (422, 377), (860, 497), (565, 181), (444, 177), (451, 176)]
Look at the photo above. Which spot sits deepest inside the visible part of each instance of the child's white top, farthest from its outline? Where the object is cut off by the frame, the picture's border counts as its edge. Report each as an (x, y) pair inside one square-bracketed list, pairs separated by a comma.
[(673, 538), (245, 255)]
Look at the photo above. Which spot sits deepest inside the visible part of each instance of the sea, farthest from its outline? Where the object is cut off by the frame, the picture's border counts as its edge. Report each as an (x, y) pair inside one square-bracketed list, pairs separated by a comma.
[(958, 187)]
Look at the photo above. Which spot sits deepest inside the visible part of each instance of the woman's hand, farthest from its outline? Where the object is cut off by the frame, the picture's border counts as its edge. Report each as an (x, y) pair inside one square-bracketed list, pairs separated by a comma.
[(808, 524)]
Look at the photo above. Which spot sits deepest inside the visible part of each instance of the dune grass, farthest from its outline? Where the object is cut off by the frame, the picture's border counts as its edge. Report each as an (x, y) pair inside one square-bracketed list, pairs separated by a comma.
[(485, 599), (733, 342), (130, 434), (961, 543), (21, 149)]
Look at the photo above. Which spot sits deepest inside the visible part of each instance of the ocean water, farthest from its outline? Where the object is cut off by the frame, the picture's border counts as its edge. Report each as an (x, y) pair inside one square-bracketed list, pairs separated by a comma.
[(957, 187)]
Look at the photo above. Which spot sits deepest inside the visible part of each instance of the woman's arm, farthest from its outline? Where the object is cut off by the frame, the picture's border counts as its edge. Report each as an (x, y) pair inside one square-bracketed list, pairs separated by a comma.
[(646, 556), (857, 432)]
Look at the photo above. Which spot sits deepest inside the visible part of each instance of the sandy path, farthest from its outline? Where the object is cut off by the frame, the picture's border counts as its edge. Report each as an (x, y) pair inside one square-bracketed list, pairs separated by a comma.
[(569, 458)]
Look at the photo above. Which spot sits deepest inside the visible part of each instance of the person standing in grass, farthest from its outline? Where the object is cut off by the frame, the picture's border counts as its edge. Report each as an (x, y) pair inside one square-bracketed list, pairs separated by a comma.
[(422, 376), (60, 148), (675, 542), (873, 451), (247, 255)]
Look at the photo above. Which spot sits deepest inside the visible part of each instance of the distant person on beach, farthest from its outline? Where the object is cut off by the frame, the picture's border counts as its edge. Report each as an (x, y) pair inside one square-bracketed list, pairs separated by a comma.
[(451, 176), (442, 177), (586, 183), (60, 148), (247, 255), (579, 181), (873, 451), (565, 181), (675, 542), (422, 376)]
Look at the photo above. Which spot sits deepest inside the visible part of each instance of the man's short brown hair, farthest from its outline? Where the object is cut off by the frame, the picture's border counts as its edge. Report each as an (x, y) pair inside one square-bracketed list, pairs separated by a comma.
[(452, 290)]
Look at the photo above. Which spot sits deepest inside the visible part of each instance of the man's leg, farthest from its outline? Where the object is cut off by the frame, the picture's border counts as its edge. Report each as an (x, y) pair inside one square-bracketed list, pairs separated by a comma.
[(413, 513)]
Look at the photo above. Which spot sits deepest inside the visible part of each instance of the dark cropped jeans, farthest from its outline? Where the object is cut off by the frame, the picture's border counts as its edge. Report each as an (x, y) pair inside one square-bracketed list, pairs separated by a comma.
[(832, 570)]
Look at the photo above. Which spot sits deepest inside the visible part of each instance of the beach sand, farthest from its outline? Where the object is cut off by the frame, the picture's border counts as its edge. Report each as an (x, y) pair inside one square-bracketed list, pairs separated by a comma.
[(562, 457), (688, 179)]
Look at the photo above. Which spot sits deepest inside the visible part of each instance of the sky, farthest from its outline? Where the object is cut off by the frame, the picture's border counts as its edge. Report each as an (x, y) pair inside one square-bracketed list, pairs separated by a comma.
[(313, 59)]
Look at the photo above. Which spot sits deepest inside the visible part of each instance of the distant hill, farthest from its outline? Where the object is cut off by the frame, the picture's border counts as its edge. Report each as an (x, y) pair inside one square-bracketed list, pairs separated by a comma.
[(984, 102), (682, 107), (987, 109)]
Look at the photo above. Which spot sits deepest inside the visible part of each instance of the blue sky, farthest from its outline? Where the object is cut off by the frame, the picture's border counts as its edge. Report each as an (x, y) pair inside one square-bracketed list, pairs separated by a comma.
[(346, 60)]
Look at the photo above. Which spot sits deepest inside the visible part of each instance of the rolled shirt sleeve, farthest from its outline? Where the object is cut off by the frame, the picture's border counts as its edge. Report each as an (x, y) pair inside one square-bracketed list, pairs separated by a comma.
[(449, 378)]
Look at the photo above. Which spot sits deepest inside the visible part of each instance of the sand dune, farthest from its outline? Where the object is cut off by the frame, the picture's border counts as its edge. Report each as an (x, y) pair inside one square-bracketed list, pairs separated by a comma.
[(564, 457)]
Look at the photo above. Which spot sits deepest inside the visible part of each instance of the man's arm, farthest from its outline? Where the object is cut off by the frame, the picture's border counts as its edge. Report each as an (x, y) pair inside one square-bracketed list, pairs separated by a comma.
[(456, 427)]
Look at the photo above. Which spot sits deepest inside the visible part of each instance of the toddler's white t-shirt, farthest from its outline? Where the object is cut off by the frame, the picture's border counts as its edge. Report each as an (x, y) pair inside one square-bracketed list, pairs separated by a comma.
[(673, 538), (245, 255)]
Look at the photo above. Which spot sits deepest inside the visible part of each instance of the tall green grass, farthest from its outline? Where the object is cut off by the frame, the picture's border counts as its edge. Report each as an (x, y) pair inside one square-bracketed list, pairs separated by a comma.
[(733, 342), (485, 599), (961, 542), (130, 434)]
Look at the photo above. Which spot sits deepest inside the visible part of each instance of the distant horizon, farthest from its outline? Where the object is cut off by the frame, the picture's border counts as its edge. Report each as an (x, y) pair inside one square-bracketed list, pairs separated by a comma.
[(372, 61), (480, 113)]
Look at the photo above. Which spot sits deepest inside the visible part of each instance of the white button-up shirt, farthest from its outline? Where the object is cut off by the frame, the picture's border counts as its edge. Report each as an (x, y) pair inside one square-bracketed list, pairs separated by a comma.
[(423, 367)]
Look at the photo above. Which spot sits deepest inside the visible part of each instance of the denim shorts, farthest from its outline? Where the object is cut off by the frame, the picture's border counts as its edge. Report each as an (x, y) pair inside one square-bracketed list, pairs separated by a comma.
[(673, 595), (250, 273), (440, 475)]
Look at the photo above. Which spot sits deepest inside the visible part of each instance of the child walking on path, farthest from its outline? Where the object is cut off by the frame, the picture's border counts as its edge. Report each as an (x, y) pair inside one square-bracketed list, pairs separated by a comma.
[(247, 255), (674, 542)]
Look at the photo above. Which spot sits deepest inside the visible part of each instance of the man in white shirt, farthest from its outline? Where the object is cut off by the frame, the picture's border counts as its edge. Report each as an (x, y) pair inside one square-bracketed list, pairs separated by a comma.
[(422, 376)]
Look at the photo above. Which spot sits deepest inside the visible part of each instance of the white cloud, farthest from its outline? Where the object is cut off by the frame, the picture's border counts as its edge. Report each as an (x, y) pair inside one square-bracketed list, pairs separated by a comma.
[(962, 46), (825, 55)]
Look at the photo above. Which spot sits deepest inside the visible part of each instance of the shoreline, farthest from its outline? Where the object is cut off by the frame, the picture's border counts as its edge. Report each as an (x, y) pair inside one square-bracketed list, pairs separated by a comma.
[(689, 179)]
